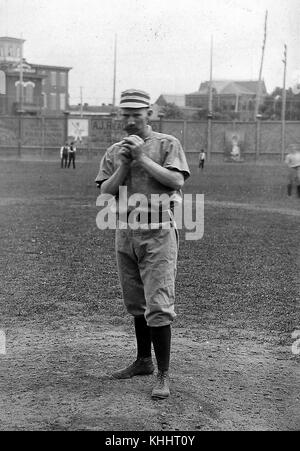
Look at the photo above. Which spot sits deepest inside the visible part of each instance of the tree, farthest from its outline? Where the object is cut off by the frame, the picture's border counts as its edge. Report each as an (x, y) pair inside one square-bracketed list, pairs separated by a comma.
[(272, 106), (172, 111), (201, 114)]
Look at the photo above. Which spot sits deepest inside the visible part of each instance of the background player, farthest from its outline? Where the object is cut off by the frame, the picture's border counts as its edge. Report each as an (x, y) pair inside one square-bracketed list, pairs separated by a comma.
[(202, 159), (72, 155), (293, 162), (64, 152)]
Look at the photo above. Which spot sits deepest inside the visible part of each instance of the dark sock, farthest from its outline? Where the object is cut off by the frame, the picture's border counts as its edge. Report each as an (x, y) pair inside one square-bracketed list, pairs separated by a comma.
[(143, 337), (298, 190), (161, 339)]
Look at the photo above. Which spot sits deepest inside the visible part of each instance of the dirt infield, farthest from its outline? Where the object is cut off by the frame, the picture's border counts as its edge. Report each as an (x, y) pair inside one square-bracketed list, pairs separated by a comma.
[(237, 296)]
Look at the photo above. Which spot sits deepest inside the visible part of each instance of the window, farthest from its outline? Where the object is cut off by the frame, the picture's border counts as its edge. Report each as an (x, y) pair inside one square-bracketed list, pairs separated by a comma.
[(29, 88), (63, 79), (43, 72), (62, 99), (44, 97), (10, 51), (53, 101), (18, 52), (2, 82), (1, 51), (53, 78)]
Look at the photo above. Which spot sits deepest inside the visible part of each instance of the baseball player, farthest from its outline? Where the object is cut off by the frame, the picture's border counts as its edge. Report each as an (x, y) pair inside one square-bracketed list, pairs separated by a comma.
[(146, 162), (64, 152), (72, 155), (293, 162), (202, 159)]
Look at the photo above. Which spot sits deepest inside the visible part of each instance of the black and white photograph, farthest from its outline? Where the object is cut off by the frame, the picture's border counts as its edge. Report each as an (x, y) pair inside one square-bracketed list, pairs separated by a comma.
[(150, 218)]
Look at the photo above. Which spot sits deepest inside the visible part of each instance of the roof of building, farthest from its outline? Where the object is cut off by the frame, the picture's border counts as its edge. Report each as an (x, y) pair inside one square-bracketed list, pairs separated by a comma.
[(93, 109), (49, 66), (236, 87), (7, 38), (178, 99)]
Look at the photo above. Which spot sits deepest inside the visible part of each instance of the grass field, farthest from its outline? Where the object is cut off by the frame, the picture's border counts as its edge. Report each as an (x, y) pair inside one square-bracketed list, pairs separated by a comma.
[(61, 308)]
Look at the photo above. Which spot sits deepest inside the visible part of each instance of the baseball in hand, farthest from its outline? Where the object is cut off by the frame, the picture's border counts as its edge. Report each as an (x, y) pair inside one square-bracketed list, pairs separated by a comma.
[(135, 144), (125, 155)]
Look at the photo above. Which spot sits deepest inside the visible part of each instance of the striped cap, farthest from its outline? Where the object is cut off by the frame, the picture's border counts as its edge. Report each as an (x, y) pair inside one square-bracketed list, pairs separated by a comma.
[(134, 98)]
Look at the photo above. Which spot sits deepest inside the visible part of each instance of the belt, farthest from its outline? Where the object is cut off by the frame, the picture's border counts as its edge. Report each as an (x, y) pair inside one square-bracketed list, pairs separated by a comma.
[(159, 218)]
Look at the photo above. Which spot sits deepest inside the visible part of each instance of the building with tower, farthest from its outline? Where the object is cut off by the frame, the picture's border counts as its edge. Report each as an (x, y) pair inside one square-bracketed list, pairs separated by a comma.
[(29, 88)]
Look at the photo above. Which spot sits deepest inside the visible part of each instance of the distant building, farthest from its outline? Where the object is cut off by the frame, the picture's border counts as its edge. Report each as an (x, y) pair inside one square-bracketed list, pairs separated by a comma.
[(178, 100), (55, 88), (44, 90), (93, 110), (229, 96)]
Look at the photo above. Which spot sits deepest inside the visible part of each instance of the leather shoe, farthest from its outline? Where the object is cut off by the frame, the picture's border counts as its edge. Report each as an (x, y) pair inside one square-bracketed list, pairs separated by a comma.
[(161, 389), (140, 367)]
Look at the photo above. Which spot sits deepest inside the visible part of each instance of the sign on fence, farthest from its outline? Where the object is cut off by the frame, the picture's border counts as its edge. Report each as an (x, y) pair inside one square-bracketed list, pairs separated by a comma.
[(78, 129), (234, 145), (104, 132)]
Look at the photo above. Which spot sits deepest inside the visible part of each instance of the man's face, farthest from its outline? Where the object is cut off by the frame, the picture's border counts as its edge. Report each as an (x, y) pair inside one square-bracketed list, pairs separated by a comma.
[(135, 120)]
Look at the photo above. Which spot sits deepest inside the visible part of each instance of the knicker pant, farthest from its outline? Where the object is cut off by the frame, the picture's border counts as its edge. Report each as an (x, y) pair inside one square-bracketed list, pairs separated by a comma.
[(64, 162), (147, 265), (71, 159)]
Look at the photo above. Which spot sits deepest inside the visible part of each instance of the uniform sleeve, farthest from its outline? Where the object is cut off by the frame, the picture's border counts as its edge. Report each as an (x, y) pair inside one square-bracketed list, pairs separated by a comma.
[(175, 158), (106, 168)]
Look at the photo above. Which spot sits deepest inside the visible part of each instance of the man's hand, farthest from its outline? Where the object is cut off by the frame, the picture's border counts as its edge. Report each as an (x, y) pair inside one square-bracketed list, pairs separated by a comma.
[(125, 155), (134, 144)]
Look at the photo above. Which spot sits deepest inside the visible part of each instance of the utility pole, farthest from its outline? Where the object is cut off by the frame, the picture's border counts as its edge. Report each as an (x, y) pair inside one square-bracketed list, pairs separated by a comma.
[(283, 110), (210, 98), (210, 104), (21, 80), (81, 100), (115, 70), (259, 87), (20, 109)]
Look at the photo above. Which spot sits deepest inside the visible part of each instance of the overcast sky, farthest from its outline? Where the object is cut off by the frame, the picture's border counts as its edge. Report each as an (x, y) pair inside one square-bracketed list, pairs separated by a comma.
[(163, 45)]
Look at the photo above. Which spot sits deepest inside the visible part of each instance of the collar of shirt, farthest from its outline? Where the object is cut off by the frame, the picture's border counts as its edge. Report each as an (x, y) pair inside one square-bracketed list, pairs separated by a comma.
[(149, 133)]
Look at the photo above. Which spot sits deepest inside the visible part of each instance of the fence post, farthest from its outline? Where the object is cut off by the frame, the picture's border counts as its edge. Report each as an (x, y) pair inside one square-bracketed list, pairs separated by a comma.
[(257, 140), (161, 116), (66, 113), (20, 137), (43, 136), (184, 135), (209, 136), (88, 147), (283, 139)]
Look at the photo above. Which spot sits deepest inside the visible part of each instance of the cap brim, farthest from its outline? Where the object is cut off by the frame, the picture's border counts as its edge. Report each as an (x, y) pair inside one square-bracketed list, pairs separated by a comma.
[(133, 105)]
